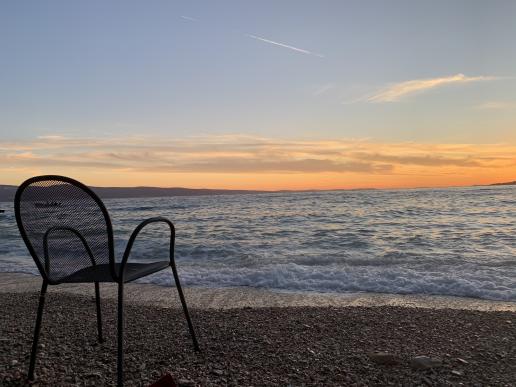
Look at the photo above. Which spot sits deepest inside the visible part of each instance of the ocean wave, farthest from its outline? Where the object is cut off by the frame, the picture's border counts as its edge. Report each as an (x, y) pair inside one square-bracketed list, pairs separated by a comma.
[(458, 242), (486, 284)]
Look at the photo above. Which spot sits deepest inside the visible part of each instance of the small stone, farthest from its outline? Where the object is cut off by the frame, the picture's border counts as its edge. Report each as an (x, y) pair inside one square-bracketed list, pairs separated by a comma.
[(424, 363), (462, 361), (217, 372), (94, 375), (14, 362), (185, 383), (384, 358), (427, 381), (456, 373)]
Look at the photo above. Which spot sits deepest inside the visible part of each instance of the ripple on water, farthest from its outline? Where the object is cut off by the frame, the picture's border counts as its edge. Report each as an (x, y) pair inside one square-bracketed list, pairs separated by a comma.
[(459, 241)]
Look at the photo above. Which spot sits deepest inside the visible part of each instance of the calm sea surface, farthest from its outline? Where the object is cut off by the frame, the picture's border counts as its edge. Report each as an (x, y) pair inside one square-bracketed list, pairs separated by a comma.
[(456, 241)]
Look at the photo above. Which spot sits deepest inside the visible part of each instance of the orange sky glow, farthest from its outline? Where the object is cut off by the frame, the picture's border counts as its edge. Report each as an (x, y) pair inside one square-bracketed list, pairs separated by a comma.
[(258, 163)]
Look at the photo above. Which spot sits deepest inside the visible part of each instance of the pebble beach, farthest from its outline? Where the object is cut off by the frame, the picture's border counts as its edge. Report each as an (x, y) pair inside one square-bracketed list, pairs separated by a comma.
[(297, 344)]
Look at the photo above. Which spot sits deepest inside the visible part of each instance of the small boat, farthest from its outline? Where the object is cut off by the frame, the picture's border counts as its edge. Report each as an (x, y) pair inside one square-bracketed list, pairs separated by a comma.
[(47, 204)]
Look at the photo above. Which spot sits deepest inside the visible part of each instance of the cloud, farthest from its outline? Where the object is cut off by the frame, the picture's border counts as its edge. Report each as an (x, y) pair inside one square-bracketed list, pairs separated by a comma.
[(428, 160), (279, 166), (303, 51), (323, 89), (497, 105), (189, 18), (241, 154), (397, 91), (51, 137)]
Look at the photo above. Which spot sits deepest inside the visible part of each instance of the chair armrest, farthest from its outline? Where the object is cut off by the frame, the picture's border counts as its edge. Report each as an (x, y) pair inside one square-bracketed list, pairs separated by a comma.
[(73, 231), (135, 234)]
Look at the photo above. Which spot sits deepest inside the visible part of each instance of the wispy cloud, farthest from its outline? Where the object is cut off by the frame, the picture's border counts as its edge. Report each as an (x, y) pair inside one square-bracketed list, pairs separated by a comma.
[(428, 160), (245, 154), (189, 18), (497, 105), (396, 91), (323, 89), (301, 50)]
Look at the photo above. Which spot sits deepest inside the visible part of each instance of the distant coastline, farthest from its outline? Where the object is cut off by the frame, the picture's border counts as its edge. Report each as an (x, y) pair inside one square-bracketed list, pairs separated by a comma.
[(7, 192), (506, 183)]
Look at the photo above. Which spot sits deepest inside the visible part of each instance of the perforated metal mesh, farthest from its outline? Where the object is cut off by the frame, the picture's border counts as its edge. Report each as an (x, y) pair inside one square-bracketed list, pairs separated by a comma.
[(55, 203)]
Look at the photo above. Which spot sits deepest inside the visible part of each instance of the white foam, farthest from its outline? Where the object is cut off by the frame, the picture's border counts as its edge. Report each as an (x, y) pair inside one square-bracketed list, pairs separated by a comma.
[(457, 242), (488, 284)]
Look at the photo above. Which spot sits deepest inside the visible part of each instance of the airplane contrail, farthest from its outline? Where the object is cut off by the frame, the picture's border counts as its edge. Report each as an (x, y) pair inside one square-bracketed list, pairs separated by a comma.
[(284, 45)]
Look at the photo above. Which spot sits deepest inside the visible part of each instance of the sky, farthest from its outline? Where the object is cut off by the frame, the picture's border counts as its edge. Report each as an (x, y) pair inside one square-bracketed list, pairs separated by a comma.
[(259, 95)]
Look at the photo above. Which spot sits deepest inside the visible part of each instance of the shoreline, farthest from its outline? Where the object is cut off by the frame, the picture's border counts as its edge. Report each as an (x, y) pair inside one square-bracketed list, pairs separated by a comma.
[(248, 297)]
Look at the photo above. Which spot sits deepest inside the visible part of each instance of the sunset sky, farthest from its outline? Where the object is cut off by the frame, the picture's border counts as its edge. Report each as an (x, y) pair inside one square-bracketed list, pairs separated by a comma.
[(259, 95)]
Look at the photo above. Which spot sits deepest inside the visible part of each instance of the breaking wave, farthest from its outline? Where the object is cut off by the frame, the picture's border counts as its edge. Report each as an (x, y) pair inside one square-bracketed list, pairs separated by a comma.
[(457, 242)]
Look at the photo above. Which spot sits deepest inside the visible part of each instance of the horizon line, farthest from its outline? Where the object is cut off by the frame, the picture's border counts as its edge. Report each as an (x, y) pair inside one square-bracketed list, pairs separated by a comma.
[(293, 190)]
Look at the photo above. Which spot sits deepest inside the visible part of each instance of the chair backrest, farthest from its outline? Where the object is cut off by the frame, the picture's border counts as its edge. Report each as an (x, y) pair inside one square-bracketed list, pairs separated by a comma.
[(71, 218)]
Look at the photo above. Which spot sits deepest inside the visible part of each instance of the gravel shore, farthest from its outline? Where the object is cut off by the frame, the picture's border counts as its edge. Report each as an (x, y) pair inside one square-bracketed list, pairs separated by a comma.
[(259, 346)]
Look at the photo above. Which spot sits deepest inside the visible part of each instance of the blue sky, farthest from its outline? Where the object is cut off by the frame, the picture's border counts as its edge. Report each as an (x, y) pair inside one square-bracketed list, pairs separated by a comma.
[(390, 71)]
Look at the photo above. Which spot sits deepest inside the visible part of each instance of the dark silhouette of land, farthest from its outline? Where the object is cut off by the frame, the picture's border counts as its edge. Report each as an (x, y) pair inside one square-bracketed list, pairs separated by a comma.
[(7, 192), (506, 183)]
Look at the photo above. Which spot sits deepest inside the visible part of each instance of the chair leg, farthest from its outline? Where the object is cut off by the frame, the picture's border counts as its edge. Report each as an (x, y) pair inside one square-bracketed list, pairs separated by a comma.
[(99, 314), (36, 330), (120, 353), (185, 309)]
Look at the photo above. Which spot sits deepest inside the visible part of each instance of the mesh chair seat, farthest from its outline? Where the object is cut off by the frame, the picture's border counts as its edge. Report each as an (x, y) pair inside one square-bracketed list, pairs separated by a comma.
[(101, 273)]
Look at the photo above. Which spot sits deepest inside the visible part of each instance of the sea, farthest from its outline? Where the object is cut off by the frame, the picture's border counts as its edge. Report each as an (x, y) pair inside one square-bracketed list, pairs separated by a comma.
[(450, 241)]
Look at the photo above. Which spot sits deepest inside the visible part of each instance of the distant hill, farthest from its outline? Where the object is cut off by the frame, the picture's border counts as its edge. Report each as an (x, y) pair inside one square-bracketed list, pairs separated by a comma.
[(506, 183), (7, 192)]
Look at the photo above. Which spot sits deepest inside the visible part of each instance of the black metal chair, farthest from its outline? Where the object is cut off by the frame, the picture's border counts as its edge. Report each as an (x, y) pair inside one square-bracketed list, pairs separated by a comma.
[(68, 232)]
